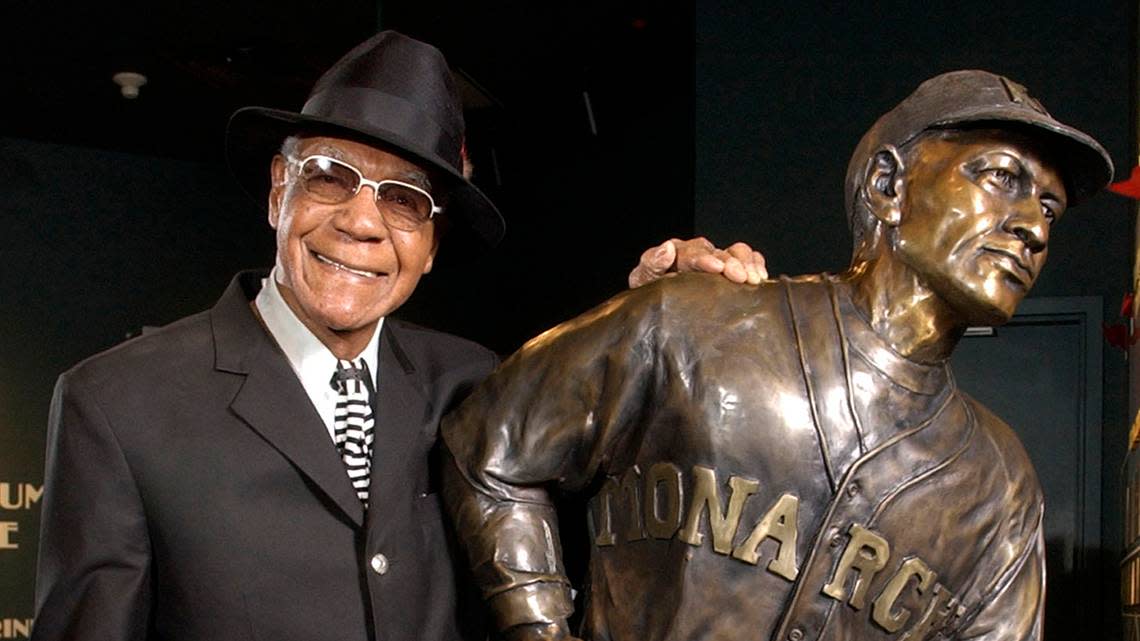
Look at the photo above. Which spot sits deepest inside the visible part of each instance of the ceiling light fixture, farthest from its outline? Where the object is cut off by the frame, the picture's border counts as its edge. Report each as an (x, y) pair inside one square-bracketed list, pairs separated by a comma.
[(129, 83)]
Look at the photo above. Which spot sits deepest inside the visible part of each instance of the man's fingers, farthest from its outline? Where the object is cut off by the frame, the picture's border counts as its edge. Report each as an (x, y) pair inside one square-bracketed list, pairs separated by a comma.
[(739, 263), (660, 259), (710, 263), (654, 263), (735, 270), (740, 251), (761, 266), (752, 262), (698, 255)]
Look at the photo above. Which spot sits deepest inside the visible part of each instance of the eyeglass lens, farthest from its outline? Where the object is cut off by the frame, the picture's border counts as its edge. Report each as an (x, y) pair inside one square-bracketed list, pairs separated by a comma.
[(332, 182)]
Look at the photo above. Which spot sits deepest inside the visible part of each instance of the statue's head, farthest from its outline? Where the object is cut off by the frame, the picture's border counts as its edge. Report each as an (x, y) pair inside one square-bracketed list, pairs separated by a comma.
[(961, 183)]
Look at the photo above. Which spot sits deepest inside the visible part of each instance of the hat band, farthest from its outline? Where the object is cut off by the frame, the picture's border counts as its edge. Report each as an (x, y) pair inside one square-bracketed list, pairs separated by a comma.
[(358, 108)]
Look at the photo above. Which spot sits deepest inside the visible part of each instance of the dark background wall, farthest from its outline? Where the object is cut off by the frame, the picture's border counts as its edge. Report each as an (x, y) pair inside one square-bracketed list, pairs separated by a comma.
[(731, 119)]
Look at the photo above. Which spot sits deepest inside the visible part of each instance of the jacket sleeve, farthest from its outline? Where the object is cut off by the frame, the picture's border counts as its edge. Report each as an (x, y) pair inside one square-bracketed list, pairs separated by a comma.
[(93, 576), (551, 416)]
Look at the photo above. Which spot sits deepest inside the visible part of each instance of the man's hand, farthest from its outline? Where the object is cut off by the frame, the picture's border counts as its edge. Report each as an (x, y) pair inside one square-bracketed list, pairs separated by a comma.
[(739, 263)]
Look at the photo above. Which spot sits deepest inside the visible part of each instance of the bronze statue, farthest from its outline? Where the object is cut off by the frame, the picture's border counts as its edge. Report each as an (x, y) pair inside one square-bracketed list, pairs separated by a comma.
[(793, 460)]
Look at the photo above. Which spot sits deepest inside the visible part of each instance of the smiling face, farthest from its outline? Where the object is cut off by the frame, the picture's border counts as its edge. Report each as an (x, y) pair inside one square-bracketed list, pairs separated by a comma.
[(340, 266), (975, 219)]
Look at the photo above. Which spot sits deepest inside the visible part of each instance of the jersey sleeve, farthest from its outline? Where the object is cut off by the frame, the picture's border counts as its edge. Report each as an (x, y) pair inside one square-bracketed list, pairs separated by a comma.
[(548, 418), (1015, 609)]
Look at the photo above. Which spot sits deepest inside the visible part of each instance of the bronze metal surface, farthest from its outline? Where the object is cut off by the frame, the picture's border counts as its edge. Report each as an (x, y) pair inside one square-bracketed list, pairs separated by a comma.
[(790, 460)]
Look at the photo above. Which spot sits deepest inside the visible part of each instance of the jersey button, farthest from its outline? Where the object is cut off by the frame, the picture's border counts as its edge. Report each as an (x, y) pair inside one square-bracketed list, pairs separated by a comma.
[(379, 564), (853, 489), (835, 539), (796, 634)]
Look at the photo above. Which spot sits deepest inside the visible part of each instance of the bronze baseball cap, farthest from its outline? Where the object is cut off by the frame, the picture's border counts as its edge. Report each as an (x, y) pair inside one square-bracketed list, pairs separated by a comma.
[(974, 98)]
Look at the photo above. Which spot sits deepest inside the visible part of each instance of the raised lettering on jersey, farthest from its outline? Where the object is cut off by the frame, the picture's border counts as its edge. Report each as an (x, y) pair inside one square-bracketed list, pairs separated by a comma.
[(631, 490), (663, 482), (706, 498), (940, 610), (866, 553), (883, 610), (779, 523), (654, 507), (619, 498), (603, 517), (651, 505)]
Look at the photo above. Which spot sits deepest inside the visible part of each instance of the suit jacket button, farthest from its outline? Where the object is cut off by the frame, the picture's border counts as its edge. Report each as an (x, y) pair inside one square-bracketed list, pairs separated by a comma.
[(379, 564)]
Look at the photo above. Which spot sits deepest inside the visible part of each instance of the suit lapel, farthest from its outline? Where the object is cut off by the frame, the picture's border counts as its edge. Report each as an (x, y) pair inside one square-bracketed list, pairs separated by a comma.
[(401, 407), (272, 401)]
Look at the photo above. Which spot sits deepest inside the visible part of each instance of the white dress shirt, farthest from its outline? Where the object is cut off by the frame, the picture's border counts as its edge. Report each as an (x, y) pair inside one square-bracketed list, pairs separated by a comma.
[(313, 363)]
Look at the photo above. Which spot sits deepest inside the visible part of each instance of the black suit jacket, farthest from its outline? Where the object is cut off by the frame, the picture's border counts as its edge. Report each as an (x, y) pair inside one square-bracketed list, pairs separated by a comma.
[(193, 493)]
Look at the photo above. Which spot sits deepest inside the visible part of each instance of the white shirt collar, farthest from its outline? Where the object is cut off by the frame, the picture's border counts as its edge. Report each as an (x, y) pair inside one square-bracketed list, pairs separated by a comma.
[(313, 363)]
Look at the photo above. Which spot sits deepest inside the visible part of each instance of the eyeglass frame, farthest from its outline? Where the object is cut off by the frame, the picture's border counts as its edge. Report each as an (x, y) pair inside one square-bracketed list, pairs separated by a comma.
[(363, 181)]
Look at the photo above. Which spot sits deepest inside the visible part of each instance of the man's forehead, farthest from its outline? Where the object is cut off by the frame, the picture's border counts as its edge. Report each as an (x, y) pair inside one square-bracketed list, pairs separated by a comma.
[(346, 149), (323, 146), (364, 156)]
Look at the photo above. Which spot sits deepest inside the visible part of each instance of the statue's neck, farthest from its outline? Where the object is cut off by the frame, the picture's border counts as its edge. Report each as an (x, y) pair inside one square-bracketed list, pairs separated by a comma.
[(904, 311)]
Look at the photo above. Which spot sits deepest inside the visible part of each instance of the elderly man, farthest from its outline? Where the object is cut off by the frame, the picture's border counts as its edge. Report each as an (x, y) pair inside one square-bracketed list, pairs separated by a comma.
[(793, 461), (263, 470)]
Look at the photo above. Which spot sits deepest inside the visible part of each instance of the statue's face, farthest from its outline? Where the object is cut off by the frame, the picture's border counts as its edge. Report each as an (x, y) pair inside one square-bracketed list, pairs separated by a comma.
[(975, 218)]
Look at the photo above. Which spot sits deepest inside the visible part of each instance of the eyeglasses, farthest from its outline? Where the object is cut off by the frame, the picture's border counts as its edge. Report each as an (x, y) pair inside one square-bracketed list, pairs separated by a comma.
[(333, 182)]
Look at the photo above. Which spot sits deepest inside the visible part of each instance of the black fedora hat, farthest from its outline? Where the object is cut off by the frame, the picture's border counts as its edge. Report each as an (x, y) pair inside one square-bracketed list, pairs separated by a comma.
[(390, 91)]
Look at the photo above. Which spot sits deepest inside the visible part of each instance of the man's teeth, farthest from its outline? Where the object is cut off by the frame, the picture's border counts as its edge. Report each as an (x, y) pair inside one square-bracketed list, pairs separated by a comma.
[(358, 272)]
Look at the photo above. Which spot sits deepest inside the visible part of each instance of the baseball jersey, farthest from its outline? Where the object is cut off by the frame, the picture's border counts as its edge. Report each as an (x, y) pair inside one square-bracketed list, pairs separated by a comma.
[(760, 465)]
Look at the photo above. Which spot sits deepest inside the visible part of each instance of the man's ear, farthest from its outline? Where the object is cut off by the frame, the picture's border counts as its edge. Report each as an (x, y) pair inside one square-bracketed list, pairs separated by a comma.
[(883, 187), (276, 189)]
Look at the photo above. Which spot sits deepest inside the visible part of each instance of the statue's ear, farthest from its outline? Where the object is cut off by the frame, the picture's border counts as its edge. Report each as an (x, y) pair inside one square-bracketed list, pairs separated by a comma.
[(883, 186)]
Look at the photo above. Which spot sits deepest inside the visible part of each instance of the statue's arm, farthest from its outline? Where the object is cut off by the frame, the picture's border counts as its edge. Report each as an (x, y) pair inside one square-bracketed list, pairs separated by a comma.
[(1014, 611), (547, 418)]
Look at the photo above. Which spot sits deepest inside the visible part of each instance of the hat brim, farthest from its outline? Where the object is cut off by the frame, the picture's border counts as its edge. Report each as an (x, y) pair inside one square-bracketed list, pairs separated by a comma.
[(254, 135), (1086, 166)]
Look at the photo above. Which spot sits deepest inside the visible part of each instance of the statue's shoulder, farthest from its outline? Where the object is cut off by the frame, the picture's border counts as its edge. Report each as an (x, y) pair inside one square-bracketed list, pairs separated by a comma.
[(684, 306), (712, 293), (1004, 453), (711, 305)]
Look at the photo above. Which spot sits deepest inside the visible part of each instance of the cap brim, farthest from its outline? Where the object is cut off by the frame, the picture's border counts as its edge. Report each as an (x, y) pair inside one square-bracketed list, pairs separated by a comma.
[(254, 135), (1086, 166)]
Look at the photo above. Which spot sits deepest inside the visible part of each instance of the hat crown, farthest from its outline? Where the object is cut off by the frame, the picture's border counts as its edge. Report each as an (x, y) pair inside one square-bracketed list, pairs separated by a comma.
[(397, 85), (972, 97)]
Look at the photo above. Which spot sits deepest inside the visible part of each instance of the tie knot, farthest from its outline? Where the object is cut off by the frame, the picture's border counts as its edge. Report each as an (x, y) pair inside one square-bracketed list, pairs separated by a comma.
[(350, 371)]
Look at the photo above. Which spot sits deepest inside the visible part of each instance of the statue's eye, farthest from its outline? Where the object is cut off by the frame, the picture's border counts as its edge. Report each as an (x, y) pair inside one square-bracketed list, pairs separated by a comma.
[(1002, 178)]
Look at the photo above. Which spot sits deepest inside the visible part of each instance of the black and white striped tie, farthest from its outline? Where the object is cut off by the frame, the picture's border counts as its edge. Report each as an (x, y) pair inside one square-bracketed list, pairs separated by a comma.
[(353, 422)]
